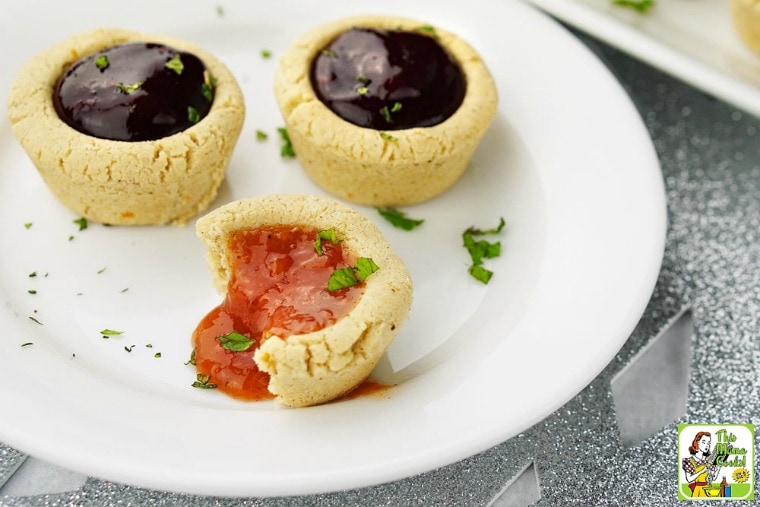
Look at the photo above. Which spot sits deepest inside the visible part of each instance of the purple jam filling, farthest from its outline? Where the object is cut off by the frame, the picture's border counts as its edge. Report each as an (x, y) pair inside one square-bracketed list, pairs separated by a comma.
[(388, 80), (134, 92)]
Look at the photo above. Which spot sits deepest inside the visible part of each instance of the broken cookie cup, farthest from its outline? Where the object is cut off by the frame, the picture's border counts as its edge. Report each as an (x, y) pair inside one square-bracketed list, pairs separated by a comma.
[(373, 167), (320, 366), (167, 180)]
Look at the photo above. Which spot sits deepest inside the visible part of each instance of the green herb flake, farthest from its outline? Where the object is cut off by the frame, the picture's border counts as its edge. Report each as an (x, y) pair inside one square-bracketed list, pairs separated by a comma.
[(342, 278), (286, 150), (326, 234), (266, 54), (480, 249), (365, 267), (202, 382), (495, 230), (235, 342), (192, 358), (480, 273), (192, 115), (110, 332), (386, 114), (640, 6), (329, 53), (101, 270), (102, 62), (261, 135), (28, 225), (176, 65), (32, 291), (399, 219), (35, 320), (129, 349), (207, 91), (387, 137), (363, 81), (220, 11), (81, 222), (157, 355), (128, 89), (33, 274), (348, 277), (148, 345), (428, 29), (208, 86), (26, 344)]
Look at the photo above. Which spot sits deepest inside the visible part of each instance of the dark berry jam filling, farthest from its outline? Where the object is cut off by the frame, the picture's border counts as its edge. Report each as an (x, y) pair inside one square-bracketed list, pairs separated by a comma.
[(134, 92), (388, 80)]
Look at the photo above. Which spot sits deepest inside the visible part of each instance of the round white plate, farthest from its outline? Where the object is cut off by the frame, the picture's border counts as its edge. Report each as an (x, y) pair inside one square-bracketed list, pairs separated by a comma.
[(567, 163)]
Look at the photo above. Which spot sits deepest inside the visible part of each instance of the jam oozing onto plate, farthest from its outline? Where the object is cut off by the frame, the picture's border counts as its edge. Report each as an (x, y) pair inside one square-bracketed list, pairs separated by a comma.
[(388, 80), (278, 287), (134, 92)]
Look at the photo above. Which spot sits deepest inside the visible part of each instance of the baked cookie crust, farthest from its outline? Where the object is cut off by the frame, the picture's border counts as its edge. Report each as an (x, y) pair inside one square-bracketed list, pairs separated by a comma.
[(313, 368), (372, 167), (168, 180)]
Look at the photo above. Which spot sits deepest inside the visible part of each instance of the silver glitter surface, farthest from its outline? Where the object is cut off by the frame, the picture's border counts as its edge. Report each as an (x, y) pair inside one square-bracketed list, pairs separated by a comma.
[(10, 460), (710, 157)]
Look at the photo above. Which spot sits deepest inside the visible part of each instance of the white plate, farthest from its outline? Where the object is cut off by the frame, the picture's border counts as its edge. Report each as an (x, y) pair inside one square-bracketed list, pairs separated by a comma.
[(567, 163), (693, 40)]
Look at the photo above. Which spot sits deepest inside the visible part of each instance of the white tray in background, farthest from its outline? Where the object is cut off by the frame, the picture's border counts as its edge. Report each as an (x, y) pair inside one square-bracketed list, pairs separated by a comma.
[(694, 40)]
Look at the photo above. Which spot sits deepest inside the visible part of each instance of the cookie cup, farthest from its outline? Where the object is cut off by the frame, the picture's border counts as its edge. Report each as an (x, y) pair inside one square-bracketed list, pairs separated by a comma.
[(168, 180), (316, 367), (381, 168)]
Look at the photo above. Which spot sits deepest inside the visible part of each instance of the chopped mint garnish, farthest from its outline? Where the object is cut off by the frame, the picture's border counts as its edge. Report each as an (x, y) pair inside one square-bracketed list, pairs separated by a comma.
[(235, 342), (399, 219)]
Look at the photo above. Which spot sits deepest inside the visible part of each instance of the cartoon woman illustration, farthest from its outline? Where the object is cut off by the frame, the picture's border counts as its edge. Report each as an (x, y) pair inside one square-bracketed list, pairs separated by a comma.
[(700, 468)]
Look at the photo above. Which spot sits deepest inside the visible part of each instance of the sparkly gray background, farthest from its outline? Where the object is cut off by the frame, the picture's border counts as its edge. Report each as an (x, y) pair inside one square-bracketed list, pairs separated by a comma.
[(710, 157)]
